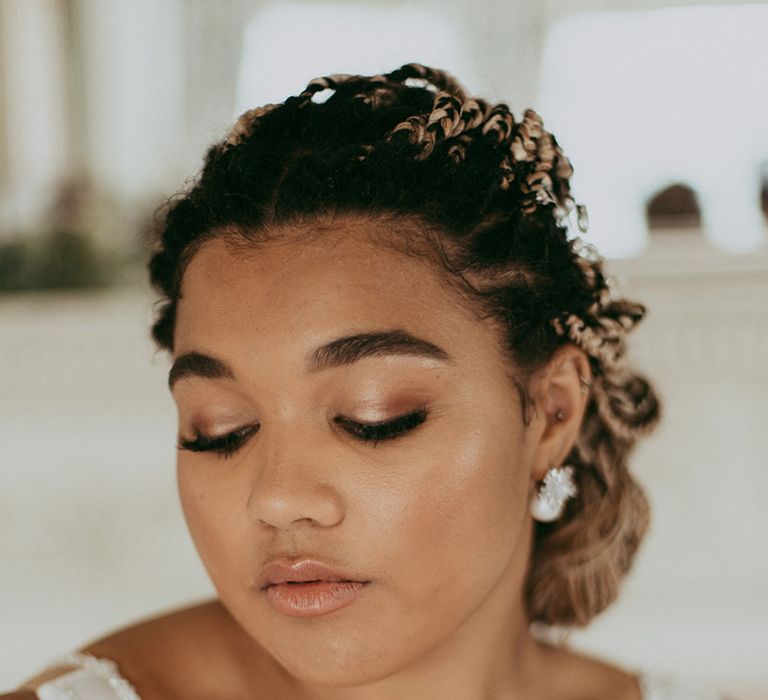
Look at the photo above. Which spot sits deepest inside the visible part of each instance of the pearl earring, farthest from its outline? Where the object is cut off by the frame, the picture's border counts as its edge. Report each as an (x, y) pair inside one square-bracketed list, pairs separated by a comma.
[(557, 487)]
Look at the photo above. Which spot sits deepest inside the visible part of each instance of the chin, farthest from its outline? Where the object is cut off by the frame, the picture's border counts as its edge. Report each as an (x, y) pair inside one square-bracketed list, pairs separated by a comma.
[(346, 662), (340, 650)]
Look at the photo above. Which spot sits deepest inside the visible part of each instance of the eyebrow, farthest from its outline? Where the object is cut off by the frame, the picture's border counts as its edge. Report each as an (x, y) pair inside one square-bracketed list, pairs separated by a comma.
[(351, 348), (337, 353), (196, 364)]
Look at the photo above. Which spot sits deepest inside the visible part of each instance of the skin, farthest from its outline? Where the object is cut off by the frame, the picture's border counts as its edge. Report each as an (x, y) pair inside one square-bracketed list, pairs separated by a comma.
[(437, 518)]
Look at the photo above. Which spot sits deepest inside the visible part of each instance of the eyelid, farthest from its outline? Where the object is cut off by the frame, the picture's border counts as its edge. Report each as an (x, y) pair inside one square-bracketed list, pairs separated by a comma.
[(383, 430)]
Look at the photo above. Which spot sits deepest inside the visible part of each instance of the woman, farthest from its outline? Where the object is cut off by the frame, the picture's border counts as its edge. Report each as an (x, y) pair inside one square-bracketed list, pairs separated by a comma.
[(404, 412)]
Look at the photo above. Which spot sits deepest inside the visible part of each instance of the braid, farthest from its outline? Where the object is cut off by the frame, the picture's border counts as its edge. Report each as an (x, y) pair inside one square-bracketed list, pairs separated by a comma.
[(495, 194)]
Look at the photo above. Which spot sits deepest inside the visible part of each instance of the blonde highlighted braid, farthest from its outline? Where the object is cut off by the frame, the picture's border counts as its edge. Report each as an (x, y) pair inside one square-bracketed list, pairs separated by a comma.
[(493, 197)]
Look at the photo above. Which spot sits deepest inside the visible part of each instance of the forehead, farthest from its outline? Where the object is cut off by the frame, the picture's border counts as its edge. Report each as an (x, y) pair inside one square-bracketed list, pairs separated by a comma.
[(303, 291)]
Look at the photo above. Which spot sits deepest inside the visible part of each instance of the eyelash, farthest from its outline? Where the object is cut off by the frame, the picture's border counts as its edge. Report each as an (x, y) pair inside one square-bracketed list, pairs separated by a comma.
[(224, 445), (379, 432), (374, 433)]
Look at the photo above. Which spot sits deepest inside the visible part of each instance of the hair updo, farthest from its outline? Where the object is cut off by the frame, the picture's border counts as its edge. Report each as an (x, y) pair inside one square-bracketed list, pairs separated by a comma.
[(492, 197)]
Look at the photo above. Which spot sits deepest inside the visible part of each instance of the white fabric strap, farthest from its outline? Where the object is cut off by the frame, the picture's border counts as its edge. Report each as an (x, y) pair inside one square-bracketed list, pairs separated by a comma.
[(94, 679)]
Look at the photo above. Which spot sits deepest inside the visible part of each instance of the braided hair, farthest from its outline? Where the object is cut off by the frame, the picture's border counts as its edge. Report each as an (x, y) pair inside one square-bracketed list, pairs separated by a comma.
[(492, 198)]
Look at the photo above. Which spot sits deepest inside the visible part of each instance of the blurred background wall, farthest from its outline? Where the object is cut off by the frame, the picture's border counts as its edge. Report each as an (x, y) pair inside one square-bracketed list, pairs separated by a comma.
[(107, 108)]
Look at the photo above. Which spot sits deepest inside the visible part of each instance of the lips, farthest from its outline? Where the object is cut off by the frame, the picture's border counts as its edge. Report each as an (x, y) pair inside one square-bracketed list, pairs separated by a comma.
[(304, 570)]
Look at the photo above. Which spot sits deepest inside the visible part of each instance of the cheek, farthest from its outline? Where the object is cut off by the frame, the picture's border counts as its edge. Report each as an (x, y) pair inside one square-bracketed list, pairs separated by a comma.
[(215, 524), (458, 519)]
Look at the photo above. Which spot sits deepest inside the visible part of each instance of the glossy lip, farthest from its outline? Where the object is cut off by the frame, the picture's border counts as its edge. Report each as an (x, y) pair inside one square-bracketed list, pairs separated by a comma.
[(284, 570), (312, 599)]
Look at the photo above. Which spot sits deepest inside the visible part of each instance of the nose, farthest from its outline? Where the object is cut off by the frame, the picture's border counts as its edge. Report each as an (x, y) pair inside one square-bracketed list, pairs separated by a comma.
[(292, 485)]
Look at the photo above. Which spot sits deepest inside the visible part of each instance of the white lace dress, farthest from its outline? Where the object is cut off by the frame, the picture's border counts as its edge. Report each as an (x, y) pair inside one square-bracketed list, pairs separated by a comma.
[(100, 679)]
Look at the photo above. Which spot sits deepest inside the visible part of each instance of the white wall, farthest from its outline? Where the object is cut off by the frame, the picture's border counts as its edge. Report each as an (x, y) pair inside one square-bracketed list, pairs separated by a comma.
[(91, 534), (646, 98), (697, 602), (133, 63), (34, 83)]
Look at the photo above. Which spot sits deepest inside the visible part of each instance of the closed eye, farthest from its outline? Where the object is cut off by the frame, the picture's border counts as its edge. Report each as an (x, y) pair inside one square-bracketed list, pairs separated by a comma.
[(223, 445), (226, 445), (378, 432)]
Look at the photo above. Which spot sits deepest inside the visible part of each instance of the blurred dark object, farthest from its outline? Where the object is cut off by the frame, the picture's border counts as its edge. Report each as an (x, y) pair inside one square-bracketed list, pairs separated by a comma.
[(61, 259), (68, 249), (674, 207)]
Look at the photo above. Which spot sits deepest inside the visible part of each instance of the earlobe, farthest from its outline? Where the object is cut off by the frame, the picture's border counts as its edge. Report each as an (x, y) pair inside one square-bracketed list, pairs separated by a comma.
[(561, 400)]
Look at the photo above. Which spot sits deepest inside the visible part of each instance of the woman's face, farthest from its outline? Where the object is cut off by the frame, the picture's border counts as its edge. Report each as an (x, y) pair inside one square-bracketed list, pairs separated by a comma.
[(434, 518)]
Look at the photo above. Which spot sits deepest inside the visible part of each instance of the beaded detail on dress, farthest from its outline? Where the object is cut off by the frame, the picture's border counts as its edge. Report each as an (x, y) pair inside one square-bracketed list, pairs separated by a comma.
[(88, 668)]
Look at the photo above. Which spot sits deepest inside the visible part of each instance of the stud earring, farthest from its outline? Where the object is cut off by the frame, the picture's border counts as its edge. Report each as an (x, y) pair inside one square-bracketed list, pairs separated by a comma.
[(557, 487), (585, 384)]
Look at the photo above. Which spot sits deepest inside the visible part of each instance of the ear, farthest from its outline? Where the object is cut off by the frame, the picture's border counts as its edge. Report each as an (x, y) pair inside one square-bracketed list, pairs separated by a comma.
[(560, 394)]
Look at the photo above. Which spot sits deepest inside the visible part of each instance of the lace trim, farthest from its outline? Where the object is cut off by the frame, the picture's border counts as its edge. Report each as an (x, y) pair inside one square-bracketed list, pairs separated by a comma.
[(105, 669)]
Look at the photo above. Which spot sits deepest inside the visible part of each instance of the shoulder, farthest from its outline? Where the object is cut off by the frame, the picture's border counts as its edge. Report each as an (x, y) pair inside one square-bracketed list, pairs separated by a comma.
[(161, 656), (161, 637), (581, 675), (592, 678)]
